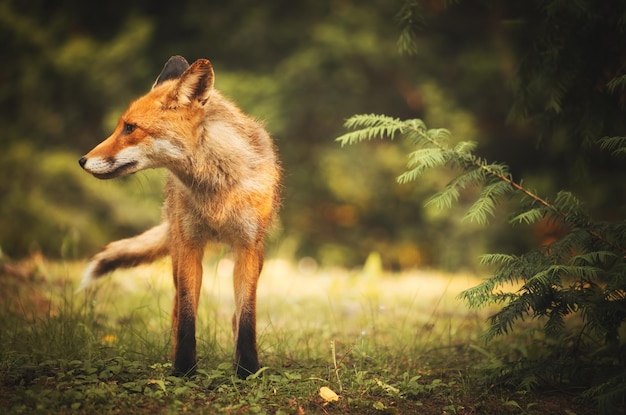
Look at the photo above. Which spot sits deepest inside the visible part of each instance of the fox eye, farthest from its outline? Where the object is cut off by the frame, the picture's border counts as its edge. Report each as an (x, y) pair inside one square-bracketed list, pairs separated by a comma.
[(129, 128)]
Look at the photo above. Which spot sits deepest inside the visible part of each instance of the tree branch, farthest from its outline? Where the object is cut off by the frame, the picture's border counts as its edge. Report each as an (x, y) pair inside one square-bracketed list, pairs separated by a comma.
[(478, 164)]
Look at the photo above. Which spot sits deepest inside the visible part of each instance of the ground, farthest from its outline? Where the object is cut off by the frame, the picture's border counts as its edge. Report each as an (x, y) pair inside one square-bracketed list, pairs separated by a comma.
[(332, 341)]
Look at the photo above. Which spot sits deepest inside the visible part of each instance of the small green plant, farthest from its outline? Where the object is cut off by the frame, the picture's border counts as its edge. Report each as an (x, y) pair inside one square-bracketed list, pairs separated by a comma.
[(582, 274)]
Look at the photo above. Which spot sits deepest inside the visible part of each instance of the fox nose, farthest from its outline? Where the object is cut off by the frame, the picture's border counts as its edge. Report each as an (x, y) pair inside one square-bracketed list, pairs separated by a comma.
[(82, 162)]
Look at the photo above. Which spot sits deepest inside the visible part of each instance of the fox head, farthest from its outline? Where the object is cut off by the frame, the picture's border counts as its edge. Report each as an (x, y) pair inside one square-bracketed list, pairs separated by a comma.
[(158, 129)]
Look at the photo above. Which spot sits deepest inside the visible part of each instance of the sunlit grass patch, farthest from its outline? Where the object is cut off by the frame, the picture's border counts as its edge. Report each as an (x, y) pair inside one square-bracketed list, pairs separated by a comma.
[(377, 342)]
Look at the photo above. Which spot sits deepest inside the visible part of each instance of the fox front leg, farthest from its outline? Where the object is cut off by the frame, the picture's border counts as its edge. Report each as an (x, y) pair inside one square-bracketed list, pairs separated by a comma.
[(187, 268)]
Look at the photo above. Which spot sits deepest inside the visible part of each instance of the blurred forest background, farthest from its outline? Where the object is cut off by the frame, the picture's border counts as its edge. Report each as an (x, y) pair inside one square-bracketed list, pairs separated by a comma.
[(529, 81)]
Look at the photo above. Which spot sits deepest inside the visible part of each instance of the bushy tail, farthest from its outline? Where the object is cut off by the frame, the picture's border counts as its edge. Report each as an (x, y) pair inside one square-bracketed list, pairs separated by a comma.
[(126, 253)]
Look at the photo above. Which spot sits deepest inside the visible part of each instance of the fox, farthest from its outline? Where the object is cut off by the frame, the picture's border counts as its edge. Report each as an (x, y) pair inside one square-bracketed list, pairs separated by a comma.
[(222, 187)]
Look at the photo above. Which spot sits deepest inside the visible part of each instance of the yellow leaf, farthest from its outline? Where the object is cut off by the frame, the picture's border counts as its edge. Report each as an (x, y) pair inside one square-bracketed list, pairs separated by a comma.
[(328, 394), (109, 339)]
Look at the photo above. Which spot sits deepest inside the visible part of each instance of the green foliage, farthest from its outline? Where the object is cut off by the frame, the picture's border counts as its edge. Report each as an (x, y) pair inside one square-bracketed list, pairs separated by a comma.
[(300, 68), (434, 150), (570, 78), (583, 273), (50, 205), (410, 19), (617, 145)]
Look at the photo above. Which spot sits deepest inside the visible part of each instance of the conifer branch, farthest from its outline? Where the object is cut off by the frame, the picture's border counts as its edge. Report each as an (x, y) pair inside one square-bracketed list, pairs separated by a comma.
[(438, 153), (477, 163)]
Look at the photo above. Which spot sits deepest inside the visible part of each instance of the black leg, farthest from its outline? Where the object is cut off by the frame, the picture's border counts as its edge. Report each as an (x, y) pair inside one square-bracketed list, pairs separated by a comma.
[(246, 358), (185, 353)]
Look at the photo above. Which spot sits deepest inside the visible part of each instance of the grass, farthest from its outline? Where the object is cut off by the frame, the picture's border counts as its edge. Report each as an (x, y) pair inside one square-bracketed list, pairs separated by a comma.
[(331, 342)]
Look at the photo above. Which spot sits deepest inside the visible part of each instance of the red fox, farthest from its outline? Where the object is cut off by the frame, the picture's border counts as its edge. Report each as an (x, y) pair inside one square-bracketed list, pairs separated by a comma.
[(223, 187)]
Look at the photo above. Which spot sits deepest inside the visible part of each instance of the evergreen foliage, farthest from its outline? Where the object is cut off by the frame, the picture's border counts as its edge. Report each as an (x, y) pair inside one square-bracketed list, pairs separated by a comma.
[(410, 19), (569, 85), (581, 275), (570, 79)]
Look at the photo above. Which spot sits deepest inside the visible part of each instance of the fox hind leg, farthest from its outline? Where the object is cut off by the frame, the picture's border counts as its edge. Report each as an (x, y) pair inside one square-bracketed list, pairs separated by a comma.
[(248, 265)]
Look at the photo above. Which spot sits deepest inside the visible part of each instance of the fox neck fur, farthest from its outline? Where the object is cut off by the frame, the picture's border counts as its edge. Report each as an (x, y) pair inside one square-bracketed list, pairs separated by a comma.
[(232, 193), (223, 163)]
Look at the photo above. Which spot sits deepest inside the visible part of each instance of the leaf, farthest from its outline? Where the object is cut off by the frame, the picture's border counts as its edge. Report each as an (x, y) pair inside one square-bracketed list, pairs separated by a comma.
[(529, 217), (596, 257), (485, 205), (328, 395), (257, 374), (444, 198), (439, 136), (392, 390), (160, 383), (422, 159), (379, 406), (618, 82), (427, 158), (465, 147), (617, 145), (410, 19), (491, 259), (371, 126)]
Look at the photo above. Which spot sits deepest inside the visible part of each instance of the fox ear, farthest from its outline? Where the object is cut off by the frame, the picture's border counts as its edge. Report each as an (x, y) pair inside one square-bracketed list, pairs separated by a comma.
[(173, 69), (196, 83)]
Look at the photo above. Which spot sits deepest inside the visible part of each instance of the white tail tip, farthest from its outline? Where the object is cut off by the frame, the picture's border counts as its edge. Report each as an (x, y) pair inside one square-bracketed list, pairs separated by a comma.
[(88, 277)]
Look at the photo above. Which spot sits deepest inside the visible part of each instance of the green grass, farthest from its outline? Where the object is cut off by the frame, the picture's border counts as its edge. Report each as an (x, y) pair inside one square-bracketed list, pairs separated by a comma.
[(385, 344)]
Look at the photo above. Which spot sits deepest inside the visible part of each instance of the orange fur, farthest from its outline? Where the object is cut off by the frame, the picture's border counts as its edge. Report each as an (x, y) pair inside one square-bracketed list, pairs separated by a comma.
[(223, 187)]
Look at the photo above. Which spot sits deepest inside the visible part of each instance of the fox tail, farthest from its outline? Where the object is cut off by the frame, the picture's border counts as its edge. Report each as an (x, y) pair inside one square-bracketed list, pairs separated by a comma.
[(125, 253)]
